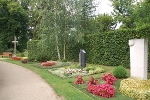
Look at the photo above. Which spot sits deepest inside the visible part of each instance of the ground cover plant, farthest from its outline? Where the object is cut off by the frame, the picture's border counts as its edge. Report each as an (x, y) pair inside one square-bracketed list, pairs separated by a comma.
[(67, 88), (74, 70), (136, 88)]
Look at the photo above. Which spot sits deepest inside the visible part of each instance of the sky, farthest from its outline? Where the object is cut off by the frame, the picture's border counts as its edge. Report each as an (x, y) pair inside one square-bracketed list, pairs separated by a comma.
[(104, 6)]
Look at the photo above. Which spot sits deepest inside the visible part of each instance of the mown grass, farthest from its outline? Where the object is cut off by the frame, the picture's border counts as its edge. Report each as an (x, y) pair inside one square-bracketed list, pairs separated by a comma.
[(66, 88)]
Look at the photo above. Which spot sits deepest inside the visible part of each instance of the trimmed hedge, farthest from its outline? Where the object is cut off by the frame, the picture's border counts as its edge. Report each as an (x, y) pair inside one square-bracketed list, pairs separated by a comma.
[(40, 52), (112, 48)]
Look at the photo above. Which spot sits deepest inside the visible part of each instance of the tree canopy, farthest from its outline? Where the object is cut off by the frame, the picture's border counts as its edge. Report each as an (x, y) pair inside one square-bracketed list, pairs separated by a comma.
[(13, 22)]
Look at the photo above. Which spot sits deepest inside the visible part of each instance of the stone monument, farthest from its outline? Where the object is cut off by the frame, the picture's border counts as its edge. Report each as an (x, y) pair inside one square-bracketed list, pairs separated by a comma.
[(15, 42), (139, 58), (82, 58)]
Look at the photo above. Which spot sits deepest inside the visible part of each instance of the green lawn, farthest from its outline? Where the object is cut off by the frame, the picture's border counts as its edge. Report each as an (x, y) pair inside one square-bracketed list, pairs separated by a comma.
[(66, 88)]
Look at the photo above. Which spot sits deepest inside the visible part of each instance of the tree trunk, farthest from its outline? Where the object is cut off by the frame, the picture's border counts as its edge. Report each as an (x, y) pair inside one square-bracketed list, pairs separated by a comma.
[(59, 58)]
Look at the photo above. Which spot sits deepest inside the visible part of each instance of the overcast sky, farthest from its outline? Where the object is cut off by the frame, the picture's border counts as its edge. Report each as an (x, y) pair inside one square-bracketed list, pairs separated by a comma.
[(104, 6)]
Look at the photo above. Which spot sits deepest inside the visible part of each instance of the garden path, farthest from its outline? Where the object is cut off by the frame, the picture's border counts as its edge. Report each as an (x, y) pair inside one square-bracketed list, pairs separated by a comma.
[(18, 83)]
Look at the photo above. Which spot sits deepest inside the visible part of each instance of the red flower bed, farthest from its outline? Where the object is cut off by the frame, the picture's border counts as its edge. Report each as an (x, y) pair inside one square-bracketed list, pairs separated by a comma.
[(48, 63), (105, 90), (16, 58)]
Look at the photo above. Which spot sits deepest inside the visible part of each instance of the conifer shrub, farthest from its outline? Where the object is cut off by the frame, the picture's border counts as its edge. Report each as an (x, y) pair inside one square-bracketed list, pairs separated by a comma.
[(120, 72)]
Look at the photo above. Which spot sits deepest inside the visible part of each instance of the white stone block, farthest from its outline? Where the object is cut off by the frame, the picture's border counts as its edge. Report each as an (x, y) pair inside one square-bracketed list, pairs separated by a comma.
[(138, 58)]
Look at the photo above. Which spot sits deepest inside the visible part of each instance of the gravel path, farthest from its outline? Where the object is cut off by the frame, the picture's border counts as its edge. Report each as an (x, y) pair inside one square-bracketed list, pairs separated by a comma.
[(18, 83)]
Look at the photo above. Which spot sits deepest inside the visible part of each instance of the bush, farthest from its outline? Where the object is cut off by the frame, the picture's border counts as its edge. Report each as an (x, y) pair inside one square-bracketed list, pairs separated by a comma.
[(120, 72), (64, 60), (22, 54), (42, 57), (136, 88)]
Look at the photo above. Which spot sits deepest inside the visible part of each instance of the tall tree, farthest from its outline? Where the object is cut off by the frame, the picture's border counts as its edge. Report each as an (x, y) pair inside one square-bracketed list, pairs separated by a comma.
[(13, 22), (123, 11), (102, 23), (141, 13)]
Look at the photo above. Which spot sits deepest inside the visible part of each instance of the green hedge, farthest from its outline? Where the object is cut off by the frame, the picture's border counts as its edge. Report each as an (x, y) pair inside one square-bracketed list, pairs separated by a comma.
[(40, 52), (112, 48)]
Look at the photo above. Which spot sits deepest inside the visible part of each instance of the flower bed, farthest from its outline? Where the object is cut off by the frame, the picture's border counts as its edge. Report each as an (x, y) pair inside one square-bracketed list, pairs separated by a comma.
[(67, 73), (73, 71), (105, 90), (16, 58), (48, 63)]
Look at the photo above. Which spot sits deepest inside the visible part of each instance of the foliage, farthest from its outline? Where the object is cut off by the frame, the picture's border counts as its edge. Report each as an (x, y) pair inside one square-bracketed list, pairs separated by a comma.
[(102, 23), (123, 12), (13, 22), (32, 49), (136, 88), (120, 72), (64, 60), (24, 61), (94, 69), (111, 48), (142, 16)]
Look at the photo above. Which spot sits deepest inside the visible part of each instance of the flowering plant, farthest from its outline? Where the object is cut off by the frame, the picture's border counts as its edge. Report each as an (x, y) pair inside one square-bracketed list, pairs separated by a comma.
[(109, 78), (79, 80), (16, 58), (104, 90), (47, 63), (24, 61)]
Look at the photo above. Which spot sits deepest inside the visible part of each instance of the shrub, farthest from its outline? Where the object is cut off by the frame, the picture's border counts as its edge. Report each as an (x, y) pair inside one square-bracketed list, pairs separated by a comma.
[(64, 60), (120, 72), (136, 88), (24, 61), (22, 55), (42, 57)]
